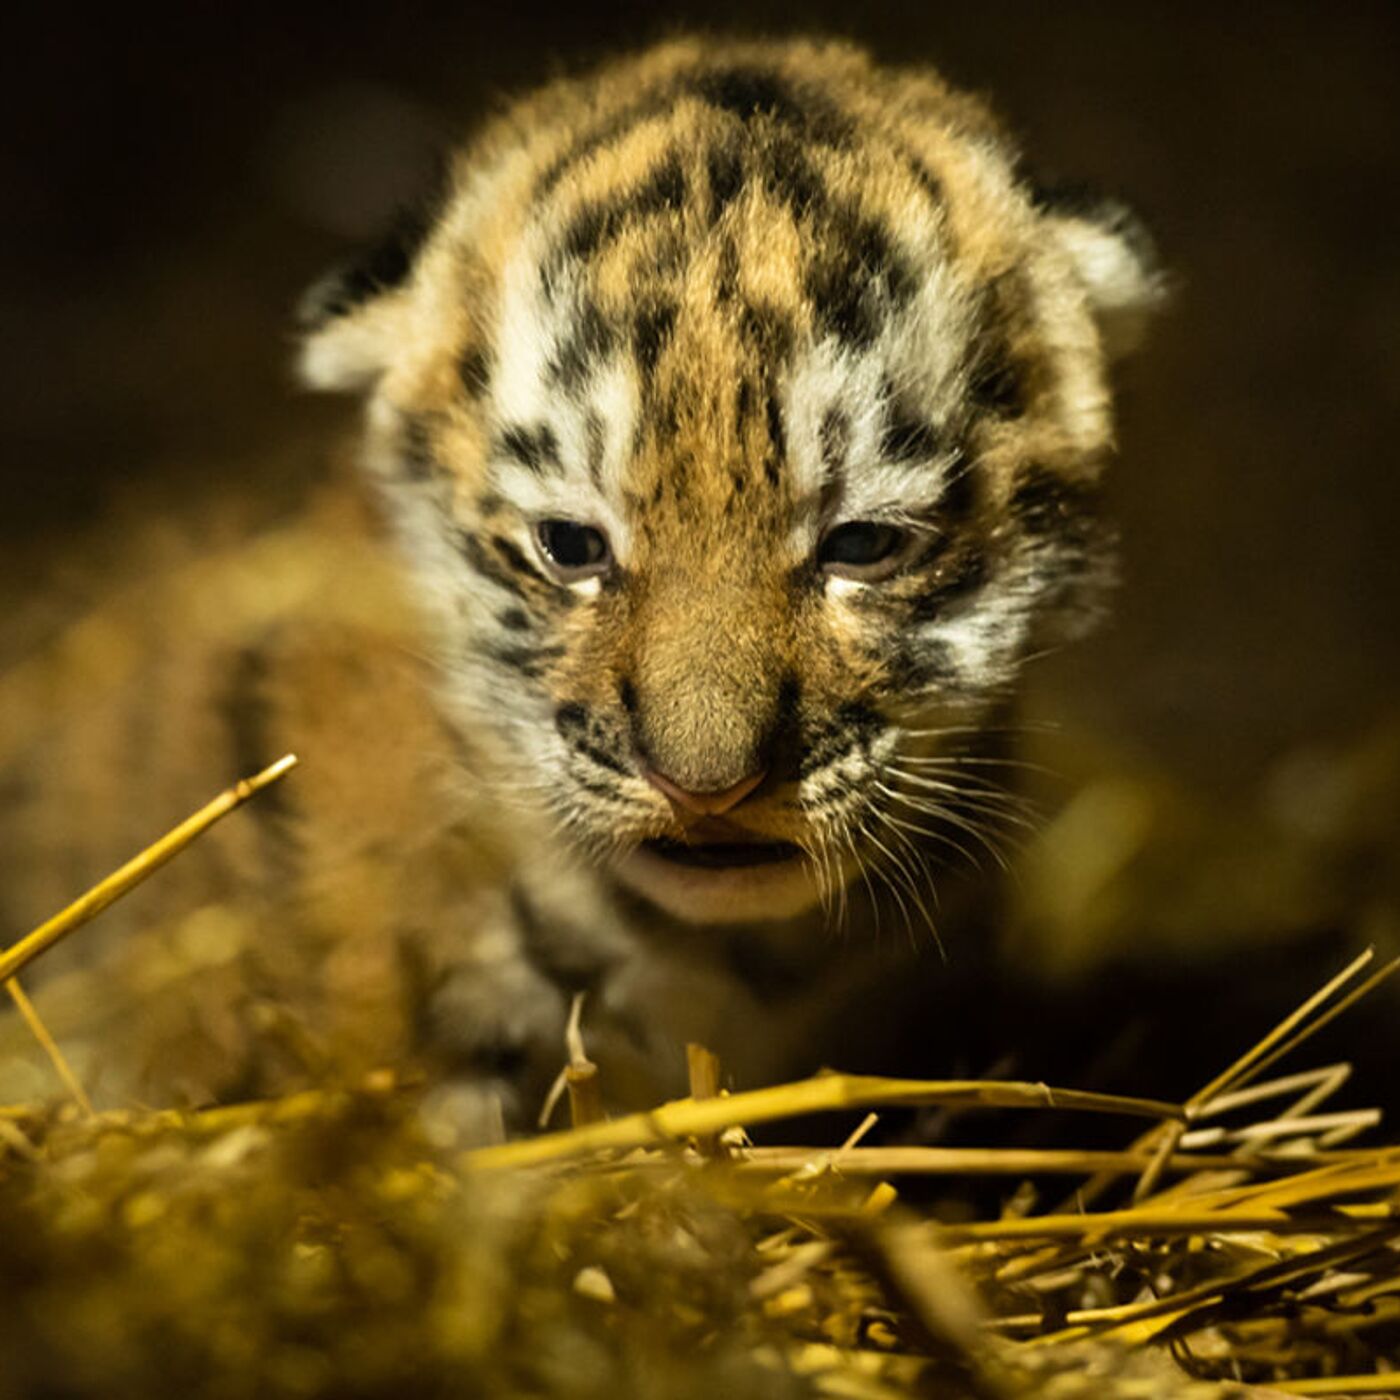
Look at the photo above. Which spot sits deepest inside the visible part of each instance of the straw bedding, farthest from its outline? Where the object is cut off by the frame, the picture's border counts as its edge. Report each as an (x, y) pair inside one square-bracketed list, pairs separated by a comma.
[(343, 1242)]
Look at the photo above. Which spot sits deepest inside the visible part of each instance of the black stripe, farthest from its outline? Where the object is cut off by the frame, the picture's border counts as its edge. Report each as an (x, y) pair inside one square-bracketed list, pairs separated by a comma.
[(783, 749), (852, 728), (777, 435), (997, 386), (918, 663), (743, 400), (858, 276), (607, 131), (905, 437), (416, 460), (510, 558), (601, 757), (959, 490), (749, 92), (790, 177), (1047, 504), (597, 224), (590, 339), (652, 328), (484, 563), (934, 549), (931, 185), (727, 277), (965, 576), (597, 788), (533, 448), (474, 370), (768, 331), (530, 662), (835, 438), (247, 714), (724, 170), (517, 561)]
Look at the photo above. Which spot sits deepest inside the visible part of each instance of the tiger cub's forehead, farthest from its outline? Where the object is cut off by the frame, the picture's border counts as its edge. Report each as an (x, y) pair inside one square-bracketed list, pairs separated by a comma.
[(737, 297)]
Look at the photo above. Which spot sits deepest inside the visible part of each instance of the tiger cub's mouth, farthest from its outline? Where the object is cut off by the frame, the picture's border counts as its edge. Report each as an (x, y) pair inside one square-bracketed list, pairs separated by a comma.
[(719, 872), (722, 855)]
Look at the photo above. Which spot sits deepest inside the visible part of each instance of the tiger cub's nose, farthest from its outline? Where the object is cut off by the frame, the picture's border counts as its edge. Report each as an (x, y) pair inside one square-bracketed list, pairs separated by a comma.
[(705, 804)]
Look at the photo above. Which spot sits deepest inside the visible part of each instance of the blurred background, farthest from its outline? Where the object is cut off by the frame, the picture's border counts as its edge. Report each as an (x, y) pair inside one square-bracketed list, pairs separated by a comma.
[(1226, 754)]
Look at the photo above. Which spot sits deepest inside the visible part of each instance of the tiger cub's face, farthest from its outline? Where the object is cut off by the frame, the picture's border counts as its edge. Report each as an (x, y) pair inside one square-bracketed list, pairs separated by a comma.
[(742, 411)]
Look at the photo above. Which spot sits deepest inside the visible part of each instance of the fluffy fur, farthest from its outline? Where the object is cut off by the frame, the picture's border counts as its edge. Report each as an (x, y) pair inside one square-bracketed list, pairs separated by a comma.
[(715, 303)]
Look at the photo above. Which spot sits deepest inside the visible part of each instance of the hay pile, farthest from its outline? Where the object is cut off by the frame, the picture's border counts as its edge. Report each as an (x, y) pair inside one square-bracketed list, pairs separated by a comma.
[(339, 1243)]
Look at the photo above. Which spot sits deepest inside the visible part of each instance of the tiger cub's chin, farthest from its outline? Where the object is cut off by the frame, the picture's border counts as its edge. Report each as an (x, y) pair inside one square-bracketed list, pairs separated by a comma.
[(715, 892)]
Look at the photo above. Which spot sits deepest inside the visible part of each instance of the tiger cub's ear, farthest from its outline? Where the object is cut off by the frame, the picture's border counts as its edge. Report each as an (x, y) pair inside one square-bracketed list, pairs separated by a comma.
[(351, 318), (1113, 256)]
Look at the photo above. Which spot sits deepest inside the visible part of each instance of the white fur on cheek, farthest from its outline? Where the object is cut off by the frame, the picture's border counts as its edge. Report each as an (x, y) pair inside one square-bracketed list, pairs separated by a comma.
[(984, 638)]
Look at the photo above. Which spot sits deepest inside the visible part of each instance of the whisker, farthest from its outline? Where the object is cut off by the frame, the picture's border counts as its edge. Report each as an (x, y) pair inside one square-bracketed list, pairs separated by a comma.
[(951, 776), (951, 815), (990, 803), (988, 806), (837, 861), (955, 762), (918, 856), (932, 834), (815, 855), (884, 874), (1015, 728), (865, 879), (835, 857)]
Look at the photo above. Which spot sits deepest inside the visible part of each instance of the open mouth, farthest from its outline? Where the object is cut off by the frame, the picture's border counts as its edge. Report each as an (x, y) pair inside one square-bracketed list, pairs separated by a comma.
[(723, 855)]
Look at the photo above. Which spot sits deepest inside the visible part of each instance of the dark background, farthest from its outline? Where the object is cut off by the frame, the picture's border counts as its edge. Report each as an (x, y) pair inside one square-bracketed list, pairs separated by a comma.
[(173, 177)]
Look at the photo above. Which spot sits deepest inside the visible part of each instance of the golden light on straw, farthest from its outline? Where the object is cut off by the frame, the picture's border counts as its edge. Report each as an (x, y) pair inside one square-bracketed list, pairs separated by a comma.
[(49, 1045), (1267, 1224), (687, 1118), (106, 892)]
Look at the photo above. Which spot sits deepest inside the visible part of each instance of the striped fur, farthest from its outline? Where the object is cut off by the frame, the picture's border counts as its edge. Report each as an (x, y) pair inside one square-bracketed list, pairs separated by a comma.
[(714, 303)]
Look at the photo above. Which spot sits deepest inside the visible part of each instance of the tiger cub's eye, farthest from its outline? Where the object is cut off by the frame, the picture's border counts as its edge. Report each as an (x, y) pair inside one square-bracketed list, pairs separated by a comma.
[(575, 551), (862, 549)]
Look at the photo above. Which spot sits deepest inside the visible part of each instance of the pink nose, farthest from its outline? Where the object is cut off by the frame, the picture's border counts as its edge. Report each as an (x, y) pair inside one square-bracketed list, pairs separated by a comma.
[(705, 804)]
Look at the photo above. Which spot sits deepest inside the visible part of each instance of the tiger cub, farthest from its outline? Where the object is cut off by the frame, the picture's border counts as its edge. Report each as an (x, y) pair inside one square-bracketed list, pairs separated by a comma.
[(734, 419)]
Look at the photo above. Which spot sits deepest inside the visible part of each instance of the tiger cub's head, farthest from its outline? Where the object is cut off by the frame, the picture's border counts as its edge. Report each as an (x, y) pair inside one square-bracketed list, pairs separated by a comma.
[(742, 409)]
